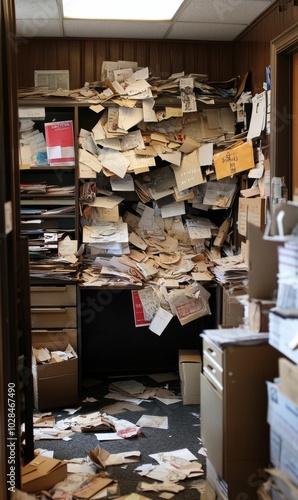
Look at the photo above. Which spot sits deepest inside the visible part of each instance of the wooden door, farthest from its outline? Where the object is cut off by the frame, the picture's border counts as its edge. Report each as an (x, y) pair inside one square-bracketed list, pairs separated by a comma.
[(295, 126)]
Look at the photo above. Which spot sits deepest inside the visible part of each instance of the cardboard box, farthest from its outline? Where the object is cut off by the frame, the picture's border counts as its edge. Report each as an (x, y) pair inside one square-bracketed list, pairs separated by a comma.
[(232, 310), (190, 365), (55, 385), (281, 487), (42, 473), (288, 373), (282, 415), (283, 455), (258, 314), (283, 334), (233, 160), (263, 265), (251, 211)]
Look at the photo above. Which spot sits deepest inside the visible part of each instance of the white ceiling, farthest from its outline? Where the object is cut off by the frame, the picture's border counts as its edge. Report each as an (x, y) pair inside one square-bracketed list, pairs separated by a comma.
[(217, 20)]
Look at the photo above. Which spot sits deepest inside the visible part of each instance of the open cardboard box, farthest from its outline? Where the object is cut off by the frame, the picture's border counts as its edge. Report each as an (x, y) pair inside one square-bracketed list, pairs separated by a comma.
[(42, 473), (55, 384), (190, 365)]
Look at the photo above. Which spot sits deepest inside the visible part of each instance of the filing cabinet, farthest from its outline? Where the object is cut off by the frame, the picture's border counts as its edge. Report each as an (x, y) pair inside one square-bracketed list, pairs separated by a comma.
[(54, 325), (233, 415), (53, 307)]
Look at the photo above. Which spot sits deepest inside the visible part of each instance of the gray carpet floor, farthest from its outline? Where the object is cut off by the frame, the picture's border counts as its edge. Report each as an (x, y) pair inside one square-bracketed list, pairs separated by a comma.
[(183, 432)]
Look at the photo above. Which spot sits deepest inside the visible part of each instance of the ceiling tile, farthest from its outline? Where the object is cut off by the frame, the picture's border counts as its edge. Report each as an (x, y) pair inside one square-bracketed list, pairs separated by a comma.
[(115, 29), (39, 28), (223, 11), (205, 31), (36, 9), (196, 20)]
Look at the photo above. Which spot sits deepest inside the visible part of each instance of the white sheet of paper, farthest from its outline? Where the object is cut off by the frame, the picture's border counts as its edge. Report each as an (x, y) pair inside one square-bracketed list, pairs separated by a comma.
[(258, 116), (182, 453), (107, 436), (141, 74), (174, 157), (90, 160), (173, 209), (125, 184), (114, 161), (147, 220), (137, 87), (153, 421), (106, 233), (132, 140), (148, 111), (206, 154), (129, 117), (97, 108), (160, 321), (107, 201), (98, 131)]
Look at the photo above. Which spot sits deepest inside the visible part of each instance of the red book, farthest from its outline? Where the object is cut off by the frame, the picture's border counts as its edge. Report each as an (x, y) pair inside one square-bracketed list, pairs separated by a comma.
[(138, 310), (60, 143)]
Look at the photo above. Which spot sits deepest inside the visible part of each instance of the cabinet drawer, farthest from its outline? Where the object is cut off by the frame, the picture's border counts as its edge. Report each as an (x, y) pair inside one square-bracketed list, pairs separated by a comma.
[(47, 296), (40, 338), (54, 317), (212, 364), (212, 427), (213, 372), (213, 352)]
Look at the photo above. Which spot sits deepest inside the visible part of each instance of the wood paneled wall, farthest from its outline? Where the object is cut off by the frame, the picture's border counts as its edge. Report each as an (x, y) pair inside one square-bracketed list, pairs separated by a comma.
[(219, 60), (84, 58), (252, 48), (295, 127)]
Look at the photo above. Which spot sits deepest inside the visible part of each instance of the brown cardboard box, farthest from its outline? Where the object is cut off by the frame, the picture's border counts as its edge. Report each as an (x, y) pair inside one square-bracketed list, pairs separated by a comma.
[(232, 310), (253, 211), (42, 473), (263, 265), (55, 384), (288, 373), (190, 364), (233, 160), (258, 316)]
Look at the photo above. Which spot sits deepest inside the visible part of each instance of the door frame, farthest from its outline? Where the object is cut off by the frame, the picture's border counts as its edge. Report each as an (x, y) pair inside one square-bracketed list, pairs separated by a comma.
[(283, 121)]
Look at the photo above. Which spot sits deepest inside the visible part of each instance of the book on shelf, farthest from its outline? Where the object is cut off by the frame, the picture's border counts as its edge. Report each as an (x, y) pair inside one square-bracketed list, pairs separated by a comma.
[(60, 143)]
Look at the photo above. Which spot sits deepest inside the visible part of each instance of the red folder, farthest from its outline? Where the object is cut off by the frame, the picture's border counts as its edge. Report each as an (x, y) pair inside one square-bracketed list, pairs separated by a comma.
[(60, 143)]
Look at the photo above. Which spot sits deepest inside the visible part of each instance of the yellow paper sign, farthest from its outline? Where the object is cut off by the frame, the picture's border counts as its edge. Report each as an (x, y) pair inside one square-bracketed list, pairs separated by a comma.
[(234, 160)]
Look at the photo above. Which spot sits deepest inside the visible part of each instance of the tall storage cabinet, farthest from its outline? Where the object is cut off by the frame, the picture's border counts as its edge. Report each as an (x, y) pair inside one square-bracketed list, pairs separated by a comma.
[(49, 214), (233, 416)]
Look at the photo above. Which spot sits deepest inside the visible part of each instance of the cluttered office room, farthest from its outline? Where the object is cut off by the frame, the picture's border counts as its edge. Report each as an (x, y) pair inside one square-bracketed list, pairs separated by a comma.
[(149, 250)]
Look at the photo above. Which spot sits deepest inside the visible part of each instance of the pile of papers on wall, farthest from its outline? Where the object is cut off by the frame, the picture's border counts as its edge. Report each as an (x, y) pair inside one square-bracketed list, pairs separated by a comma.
[(156, 207), (158, 181), (114, 74)]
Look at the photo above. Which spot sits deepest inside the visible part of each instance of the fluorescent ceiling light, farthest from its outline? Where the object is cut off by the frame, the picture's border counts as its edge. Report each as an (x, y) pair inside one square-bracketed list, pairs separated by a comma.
[(130, 10)]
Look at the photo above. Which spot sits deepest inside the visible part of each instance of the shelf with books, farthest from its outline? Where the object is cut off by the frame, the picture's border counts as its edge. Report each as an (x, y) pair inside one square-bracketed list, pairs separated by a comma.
[(48, 188)]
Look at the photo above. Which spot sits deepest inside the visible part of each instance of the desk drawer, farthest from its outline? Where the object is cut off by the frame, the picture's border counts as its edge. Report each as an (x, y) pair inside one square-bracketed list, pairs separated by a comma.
[(213, 372), (40, 338), (213, 352), (54, 317), (213, 364), (48, 296)]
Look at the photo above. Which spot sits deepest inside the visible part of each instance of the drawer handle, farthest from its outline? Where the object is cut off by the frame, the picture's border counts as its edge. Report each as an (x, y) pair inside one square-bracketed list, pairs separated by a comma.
[(211, 351), (49, 311), (50, 289), (211, 368)]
